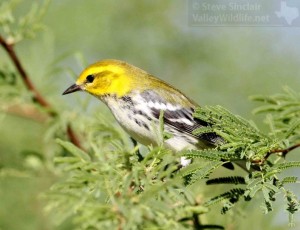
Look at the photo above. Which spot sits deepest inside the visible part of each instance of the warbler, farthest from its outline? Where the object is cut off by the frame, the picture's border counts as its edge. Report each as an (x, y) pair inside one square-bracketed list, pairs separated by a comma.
[(136, 99)]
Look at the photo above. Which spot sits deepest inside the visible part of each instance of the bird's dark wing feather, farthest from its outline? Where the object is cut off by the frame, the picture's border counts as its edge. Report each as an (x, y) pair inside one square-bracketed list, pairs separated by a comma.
[(180, 121), (181, 118)]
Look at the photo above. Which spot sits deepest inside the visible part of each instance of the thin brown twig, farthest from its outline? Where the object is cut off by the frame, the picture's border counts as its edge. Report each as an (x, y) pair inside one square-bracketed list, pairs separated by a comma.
[(13, 56), (27, 111), (72, 136), (9, 48), (284, 152)]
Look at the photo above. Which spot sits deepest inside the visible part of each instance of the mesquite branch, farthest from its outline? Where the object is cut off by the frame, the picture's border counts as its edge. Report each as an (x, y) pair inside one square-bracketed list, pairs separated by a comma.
[(37, 97), (283, 152), (14, 58)]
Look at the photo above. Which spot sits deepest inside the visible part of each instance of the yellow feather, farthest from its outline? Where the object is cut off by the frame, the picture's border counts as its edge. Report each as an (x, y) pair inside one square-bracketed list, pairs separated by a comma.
[(110, 78)]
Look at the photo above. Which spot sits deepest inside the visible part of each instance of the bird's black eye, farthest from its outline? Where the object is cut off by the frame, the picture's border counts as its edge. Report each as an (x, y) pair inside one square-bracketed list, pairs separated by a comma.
[(90, 78)]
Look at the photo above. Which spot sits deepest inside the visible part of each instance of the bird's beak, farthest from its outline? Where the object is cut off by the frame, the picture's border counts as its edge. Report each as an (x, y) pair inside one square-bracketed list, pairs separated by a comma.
[(72, 89)]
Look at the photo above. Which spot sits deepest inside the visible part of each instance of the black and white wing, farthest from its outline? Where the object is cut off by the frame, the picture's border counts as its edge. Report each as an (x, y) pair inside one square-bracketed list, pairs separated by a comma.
[(180, 118)]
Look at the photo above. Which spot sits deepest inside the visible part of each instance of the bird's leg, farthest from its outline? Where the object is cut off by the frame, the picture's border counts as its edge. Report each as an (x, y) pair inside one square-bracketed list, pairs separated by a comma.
[(139, 155)]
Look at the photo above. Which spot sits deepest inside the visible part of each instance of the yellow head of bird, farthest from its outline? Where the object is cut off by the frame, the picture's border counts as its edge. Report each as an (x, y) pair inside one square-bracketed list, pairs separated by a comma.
[(106, 77)]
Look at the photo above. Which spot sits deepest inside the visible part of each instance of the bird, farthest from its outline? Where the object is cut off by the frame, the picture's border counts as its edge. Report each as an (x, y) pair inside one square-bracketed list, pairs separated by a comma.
[(137, 99)]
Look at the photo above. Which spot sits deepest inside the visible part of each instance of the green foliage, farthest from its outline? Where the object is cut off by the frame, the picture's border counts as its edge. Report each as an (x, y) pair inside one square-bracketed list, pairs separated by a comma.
[(292, 206), (16, 29), (232, 196), (9, 84), (242, 139), (244, 142), (114, 190), (283, 113), (226, 180)]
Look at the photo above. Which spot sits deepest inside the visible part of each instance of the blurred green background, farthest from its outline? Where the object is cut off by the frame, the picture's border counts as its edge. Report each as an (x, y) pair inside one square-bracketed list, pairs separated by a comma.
[(212, 65)]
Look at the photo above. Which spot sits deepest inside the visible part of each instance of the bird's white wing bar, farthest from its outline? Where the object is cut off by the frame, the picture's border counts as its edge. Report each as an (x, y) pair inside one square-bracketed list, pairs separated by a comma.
[(177, 117)]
